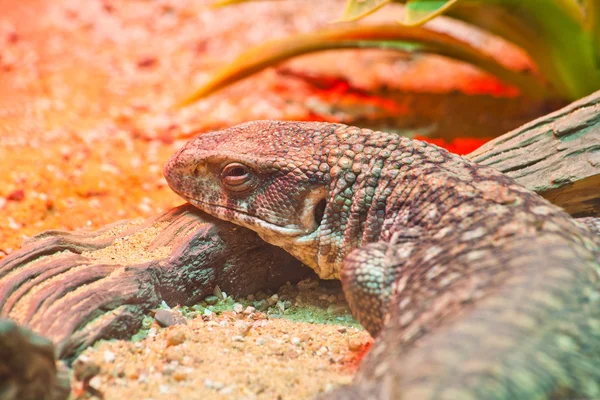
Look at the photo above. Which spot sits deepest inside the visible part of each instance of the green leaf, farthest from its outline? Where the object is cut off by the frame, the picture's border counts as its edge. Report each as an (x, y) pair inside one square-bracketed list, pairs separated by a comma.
[(417, 12), (552, 33), (344, 36), (592, 24), (357, 9)]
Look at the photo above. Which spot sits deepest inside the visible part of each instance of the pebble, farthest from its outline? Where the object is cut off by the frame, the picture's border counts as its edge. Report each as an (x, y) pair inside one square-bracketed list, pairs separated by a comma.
[(238, 308), (322, 350), (175, 338), (273, 299), (337, 309), (249, 310), (169, 369), (84, 369), (16, 195), (243, 327), (281, 306), (109, 356), (307, 284), (213, 384), (354, 345), (261, 304), (167, 318), (173, 354), (163, 389), (179, 375), (295, 341)]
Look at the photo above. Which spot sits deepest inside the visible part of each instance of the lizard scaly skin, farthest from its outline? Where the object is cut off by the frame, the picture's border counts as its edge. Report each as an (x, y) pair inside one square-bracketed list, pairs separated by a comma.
[(474, 287)]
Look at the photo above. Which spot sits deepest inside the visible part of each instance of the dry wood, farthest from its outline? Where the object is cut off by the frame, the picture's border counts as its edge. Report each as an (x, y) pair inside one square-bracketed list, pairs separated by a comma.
[(76, 288), (557, 155)]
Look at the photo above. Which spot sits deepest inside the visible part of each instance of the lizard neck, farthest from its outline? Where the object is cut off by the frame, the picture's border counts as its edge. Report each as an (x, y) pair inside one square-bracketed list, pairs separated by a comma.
[(386, 196)]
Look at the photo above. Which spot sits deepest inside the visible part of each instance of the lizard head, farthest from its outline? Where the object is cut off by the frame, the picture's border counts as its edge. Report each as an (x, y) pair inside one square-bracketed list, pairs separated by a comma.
[(268, 176)]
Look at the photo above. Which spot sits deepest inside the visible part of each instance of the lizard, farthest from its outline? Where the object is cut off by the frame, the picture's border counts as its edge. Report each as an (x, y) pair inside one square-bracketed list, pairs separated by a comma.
[(473, 286)]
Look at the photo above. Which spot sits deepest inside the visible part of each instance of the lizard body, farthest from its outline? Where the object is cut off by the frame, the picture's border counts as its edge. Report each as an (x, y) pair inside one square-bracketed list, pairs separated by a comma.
[(473, 286)]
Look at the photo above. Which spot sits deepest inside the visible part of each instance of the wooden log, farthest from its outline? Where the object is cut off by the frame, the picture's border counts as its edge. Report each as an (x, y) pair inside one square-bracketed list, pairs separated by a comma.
[(557, 155), (78, 287)]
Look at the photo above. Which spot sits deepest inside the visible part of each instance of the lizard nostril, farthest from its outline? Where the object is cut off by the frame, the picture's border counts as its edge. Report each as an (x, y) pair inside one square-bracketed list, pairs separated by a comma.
[(319, 211)]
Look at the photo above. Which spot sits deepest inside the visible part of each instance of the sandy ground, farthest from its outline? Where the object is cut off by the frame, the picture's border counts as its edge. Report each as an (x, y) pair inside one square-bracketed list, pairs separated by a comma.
[(86, 124), (232, 350)]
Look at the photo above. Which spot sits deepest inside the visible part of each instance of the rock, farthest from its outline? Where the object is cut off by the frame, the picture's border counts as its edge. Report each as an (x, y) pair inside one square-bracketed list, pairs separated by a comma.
[(167, 318), (176, 337)]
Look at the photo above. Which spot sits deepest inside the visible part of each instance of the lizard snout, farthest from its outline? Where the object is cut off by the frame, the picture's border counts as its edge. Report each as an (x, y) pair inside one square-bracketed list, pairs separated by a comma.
[(178, 171)]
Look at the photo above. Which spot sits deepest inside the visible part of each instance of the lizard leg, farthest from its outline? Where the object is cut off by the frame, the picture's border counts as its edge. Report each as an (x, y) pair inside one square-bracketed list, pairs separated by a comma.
[(368, 275)]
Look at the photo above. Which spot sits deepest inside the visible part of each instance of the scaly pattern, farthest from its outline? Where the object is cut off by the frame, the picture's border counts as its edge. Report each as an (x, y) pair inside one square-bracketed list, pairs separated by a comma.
[(473, 286)]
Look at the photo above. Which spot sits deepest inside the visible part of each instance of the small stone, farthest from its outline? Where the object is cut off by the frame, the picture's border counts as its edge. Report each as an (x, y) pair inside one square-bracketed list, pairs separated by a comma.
[(243, 327), (307, 284), (261, 305), (211, 300), (281, 306), (237, 338), (175, 338), (179, 375), (173, 354), (273, 299), (169, 368), (295, 341), (260, 341), (238, 308), (109, 356), (16, 195), (85, 369), (259, 316), (334, 309), (354, 345), (213, 384), (332, 298), (342, 329), (147, 62), (167, 318), (249, 310), (95, 381), (250, 297)]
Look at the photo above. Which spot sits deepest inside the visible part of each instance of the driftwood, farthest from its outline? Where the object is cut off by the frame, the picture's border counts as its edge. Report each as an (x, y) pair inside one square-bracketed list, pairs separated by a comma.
[(76, 288), (557, 155)]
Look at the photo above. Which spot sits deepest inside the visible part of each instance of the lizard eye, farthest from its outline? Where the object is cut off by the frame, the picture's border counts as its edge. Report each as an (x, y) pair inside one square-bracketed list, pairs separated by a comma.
[(236, 177)]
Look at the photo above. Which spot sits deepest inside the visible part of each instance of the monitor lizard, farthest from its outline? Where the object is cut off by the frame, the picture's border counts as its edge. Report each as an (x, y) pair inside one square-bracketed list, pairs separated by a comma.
[(473, 286)]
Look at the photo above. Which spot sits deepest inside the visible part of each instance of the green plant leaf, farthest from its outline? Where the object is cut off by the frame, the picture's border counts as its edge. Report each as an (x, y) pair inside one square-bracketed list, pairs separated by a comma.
[(417, 12), (357, 9), (552, 33), (391, 35), (592, 24)]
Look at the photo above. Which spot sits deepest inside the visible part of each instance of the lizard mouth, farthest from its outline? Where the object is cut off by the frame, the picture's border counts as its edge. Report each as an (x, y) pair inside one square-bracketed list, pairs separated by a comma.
[(260, 226)]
